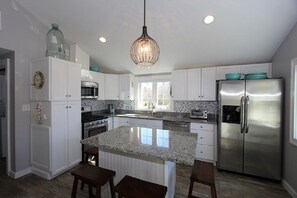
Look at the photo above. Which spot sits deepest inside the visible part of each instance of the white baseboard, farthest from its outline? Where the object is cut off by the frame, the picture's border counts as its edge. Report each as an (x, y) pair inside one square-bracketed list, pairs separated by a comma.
[(19, 174), (290, 190), (41, 173)]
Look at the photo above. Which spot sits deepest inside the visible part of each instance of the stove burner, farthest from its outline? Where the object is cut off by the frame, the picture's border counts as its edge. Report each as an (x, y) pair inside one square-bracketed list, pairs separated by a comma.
[(89, 117)]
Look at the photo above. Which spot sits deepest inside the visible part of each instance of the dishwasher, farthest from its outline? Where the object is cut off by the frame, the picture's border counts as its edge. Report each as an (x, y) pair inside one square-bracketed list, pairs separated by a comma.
[(176, 126)]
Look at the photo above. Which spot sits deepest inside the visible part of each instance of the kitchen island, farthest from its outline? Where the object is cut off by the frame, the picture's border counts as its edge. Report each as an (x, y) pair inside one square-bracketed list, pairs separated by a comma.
[(145, 153)]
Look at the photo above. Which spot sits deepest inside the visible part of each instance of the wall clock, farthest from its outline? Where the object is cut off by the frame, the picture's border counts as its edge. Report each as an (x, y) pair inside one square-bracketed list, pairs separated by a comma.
[(38, 80)]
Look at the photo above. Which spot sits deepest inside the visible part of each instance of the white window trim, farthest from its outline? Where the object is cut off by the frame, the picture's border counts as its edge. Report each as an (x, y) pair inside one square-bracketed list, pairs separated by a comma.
[(150, 78), (293, 112)]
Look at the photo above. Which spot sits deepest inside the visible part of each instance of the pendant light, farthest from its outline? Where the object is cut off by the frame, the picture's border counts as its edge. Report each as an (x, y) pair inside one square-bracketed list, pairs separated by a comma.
[(145, 51)]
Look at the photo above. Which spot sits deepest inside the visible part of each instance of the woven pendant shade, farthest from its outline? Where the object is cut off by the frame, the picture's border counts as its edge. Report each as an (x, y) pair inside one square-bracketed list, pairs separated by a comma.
[(145, 51)]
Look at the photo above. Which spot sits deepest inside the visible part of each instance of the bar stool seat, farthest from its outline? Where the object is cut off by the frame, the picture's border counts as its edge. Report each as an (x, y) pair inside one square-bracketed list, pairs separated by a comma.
[(93, 176), (203, 172), (131, 187), (92, 152)]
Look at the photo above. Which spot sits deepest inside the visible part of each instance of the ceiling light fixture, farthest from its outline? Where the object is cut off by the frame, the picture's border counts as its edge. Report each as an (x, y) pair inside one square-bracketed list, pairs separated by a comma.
[(208, 19), (102, 39), (145, 51)]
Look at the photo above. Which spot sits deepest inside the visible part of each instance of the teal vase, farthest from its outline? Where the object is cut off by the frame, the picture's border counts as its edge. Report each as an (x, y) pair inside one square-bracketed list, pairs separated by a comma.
[(55, 42)]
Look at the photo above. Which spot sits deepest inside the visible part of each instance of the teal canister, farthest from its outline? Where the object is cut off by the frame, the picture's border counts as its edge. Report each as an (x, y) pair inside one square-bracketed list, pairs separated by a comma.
[(55, 42)]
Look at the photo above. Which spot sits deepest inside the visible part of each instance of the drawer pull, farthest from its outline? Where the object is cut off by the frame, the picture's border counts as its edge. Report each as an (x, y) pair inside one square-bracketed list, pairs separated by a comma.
[(201, 151), (201, 137), (201, 126)]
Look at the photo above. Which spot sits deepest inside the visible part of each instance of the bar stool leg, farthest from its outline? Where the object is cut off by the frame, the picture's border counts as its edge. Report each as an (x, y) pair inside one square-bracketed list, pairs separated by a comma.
[(111, 186), (213, 191), (90, 191), (74, 188), (98, 191), (191, 189)]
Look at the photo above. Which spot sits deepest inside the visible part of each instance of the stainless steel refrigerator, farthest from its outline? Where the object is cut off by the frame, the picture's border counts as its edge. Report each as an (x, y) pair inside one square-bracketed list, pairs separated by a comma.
[(250, 127)]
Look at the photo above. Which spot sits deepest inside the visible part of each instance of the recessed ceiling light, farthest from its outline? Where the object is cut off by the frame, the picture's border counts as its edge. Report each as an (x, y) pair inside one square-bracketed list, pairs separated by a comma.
[(102, 39), (208, 19)]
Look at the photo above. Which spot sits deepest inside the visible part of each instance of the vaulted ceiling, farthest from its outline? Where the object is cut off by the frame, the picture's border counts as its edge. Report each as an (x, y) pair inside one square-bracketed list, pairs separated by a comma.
[(244, 31)]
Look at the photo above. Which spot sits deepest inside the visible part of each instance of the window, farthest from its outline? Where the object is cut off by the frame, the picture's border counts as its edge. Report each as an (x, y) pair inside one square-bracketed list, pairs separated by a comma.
[(293, 120), (154, 91)]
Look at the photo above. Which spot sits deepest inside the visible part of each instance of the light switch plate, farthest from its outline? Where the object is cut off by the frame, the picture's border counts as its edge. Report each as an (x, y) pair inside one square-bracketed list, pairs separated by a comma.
[(25, 107)]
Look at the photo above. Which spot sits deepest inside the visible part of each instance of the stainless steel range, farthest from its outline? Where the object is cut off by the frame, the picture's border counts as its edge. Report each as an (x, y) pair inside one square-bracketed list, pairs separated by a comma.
[(93, 124)]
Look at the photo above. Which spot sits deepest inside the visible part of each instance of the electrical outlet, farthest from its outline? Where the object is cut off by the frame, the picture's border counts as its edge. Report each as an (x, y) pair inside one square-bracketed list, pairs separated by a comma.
[(25, 107)]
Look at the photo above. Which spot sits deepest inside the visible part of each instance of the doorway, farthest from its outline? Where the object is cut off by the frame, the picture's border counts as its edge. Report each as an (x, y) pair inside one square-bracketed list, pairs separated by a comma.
[(5, 113)]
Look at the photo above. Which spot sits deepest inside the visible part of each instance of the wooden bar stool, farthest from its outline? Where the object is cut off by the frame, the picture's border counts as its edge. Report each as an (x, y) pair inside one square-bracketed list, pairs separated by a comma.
[(93, 176), (92, 152), (203, 172), (131, 187)]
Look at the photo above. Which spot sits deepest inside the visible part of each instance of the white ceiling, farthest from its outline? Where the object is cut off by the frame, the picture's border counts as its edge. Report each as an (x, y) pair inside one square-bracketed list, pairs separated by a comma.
[(244, 31)]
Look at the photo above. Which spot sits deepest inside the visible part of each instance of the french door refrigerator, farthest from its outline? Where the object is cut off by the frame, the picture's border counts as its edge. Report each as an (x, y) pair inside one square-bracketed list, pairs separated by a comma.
[(249, 127)]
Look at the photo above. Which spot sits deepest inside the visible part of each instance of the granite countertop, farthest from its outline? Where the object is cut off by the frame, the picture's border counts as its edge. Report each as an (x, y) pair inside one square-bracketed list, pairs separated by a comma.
[(165, 117), (148, 143)]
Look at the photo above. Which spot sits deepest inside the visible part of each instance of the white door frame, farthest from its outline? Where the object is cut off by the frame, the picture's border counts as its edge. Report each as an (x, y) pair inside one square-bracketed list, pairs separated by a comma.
[(6, 63)]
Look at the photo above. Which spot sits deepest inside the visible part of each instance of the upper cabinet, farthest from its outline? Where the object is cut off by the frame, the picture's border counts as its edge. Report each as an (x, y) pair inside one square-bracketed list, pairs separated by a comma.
[(126, 87), (111, 86), (77, 55), (243, 69), (194, 84), (179, 84), (55, 80)]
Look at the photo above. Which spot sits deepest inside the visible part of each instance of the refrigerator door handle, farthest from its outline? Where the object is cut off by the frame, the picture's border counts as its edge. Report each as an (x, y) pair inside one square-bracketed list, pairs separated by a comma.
[(246, 114), (242, 116)]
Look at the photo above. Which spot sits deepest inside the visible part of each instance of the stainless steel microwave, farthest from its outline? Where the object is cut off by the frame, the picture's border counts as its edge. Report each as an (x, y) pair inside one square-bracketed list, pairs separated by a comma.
[(89, 90)]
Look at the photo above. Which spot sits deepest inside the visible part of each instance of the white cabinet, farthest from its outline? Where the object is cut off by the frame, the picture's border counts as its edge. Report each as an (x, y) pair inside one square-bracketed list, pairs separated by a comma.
[(117, 122), (126, 87), (257, 68), (77, 55), (55, 143), (243, 69), (61, 80), (137, 122), (201, 84), (206, 141), (194, 84), (179, 85), (111, 86), (223, 70)]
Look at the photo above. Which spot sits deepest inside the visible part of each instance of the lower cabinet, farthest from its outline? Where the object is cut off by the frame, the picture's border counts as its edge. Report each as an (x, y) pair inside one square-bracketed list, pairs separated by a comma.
[(137, 122), (206, 141), (55, 141)]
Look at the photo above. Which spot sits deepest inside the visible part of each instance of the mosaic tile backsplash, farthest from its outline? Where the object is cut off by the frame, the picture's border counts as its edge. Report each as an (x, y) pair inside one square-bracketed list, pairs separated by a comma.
[(178, 106)]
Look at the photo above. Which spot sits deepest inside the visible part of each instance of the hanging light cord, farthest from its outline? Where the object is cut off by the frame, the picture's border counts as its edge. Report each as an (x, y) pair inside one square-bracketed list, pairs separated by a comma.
[(144, 11)]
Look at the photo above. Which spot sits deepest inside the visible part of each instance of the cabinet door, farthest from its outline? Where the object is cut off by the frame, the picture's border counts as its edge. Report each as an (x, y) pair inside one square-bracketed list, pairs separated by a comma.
[(58, 79), (111, 87), (59, 137), (194, 84), (126, 84), (74, 132), (223, 70), (257, 68), (179, 85), (208, 84), (101, 82), (73, 83)]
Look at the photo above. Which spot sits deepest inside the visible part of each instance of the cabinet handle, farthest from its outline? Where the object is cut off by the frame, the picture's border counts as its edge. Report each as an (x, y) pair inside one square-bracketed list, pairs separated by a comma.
[(69, 95), (66, 107), (201, 151), (201, 137), (69, 107), (201, 127), (66, 95)]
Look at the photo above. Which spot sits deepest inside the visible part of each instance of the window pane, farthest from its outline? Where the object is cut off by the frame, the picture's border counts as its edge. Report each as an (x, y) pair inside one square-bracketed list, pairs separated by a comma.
[(145, 94), (163, 95)]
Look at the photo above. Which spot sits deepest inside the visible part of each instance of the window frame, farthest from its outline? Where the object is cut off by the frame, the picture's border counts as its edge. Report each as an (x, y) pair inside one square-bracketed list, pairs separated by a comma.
[(154, 79), (293, 102)]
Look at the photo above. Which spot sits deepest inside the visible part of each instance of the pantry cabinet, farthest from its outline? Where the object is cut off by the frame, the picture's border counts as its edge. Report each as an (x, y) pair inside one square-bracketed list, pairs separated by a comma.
[(61, 80)]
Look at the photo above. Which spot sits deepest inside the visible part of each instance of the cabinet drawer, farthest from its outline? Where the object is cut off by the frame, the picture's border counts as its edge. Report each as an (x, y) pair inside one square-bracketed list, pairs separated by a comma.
[(204, 152), (200, 126), (205, 137)]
